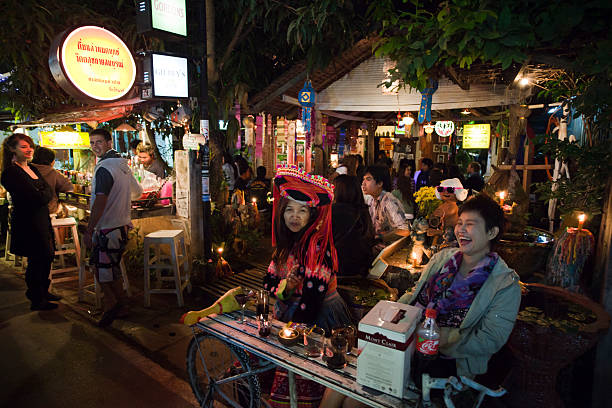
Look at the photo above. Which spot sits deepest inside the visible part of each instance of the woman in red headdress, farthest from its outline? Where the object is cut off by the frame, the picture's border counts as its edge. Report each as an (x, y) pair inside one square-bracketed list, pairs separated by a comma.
[(302, 273)]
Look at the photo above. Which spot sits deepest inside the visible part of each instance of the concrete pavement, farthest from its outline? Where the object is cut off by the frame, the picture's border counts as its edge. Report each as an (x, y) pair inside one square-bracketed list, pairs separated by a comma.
[(59, 359)]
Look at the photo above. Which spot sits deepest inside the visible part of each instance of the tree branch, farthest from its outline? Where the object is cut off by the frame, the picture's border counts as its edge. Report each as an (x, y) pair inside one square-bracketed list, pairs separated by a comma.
[(233, 42)]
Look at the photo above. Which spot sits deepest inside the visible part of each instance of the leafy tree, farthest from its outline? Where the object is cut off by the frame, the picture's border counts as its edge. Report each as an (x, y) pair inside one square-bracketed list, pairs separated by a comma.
[(427, 38)]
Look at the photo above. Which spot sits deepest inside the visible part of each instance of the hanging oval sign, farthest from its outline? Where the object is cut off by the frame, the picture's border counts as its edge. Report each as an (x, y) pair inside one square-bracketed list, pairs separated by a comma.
[(92, 64), (445, 128)]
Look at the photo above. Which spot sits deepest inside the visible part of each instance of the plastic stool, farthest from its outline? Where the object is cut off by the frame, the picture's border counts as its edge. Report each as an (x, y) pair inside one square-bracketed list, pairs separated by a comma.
[(74, 248), (17, 260), (175, 239), (86, 288)]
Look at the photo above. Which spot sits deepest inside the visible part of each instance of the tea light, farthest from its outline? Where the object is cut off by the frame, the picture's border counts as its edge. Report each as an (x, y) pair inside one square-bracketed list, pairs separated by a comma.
[(220, 250), (414, 259), (288, 336), (502, 195), (581, 219)]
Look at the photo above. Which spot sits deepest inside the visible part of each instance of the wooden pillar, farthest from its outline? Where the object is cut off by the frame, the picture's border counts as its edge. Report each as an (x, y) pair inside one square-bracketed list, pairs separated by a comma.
[(602, 282), (372, 125)]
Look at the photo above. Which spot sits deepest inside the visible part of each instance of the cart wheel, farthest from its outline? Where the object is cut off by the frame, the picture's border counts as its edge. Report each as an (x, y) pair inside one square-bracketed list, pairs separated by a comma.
[(210, 360)]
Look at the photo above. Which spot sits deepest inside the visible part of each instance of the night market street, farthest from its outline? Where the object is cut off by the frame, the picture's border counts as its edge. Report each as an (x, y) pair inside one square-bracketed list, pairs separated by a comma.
[(61, 359)]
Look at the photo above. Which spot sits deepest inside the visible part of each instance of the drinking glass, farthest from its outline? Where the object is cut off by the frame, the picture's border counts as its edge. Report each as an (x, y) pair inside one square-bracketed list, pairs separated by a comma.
[(242, 299), (263, 303), (314, 339)]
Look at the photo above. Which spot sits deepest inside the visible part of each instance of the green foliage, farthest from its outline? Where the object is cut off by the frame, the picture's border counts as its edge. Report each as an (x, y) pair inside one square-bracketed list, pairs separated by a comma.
[(590, 168), (425, 39)]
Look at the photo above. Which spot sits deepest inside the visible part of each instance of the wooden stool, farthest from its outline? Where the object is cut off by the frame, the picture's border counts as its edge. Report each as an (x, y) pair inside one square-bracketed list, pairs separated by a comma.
[(93, 287), (175, 239), (74, 248)]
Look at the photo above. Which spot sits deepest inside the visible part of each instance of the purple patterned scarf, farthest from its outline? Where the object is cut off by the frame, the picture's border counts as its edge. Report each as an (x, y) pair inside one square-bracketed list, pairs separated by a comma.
[(452, 297)]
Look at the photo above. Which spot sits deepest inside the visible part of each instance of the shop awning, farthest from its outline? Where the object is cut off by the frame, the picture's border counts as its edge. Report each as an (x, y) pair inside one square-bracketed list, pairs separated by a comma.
[(88, 114)]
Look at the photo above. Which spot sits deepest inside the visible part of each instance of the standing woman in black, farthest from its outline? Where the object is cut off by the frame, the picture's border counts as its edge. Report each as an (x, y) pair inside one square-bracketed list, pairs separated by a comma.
[(31, 232)]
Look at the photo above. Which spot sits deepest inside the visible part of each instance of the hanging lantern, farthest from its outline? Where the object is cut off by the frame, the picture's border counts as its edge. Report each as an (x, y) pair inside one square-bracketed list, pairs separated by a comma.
[(429, 128), (444, 128), (306, 98)]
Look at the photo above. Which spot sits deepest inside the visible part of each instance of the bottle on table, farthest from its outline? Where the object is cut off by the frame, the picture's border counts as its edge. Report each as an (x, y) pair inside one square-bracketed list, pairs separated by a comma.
[(427, 344), (263, 309)]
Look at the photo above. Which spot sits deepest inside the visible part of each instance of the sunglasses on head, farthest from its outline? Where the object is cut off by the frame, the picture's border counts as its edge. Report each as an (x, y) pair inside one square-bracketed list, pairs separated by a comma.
[(448, 189)]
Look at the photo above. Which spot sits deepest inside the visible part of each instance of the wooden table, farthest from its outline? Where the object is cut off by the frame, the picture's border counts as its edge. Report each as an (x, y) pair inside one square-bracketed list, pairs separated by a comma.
[(226, 328)]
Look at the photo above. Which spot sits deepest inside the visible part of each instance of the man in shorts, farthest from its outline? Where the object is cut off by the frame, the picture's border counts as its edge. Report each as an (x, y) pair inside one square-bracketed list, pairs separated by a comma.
[(113, 189)]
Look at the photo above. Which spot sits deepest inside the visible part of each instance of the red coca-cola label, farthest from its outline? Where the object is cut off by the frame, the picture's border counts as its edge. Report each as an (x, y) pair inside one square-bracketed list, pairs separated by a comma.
[(429, 347)]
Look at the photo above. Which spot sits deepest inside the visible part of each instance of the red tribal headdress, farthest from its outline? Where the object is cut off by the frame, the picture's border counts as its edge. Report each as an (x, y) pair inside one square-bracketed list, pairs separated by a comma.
[(313, 191)]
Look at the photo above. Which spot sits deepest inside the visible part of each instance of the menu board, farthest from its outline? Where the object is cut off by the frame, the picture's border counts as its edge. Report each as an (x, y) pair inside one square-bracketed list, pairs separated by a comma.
[(477, 136)]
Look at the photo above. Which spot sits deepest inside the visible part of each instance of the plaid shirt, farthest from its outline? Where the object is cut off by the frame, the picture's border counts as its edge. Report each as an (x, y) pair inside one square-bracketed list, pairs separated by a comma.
[(387, 213)]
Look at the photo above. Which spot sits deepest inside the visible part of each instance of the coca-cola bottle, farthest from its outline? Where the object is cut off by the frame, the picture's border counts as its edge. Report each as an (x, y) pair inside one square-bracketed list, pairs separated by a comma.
[(428, 339)]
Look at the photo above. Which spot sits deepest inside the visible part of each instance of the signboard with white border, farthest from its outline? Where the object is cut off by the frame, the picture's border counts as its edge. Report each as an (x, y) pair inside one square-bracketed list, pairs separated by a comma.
[(166, 75), (166, 16), (92, 64)]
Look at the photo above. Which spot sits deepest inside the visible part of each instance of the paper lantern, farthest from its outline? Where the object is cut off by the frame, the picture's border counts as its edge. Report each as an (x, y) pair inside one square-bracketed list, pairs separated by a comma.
[(445, 128)]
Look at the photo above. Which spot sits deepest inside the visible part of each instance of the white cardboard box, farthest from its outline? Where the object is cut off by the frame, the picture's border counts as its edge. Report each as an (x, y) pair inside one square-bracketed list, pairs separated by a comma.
[(386, 341)]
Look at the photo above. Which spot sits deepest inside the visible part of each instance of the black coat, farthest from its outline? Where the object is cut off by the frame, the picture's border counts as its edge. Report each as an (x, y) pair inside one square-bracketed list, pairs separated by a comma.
[(31, 231), (351, 239)]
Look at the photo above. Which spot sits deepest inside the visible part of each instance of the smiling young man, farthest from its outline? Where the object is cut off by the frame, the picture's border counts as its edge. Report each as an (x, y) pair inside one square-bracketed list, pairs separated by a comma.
[(385, 209), (113, 189)]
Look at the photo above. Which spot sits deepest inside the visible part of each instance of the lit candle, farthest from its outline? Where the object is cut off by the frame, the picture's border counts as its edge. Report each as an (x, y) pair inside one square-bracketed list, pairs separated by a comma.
[(220, 250), (254, 200), (502, 195), (581, 219), (287, 332), (414, 259)]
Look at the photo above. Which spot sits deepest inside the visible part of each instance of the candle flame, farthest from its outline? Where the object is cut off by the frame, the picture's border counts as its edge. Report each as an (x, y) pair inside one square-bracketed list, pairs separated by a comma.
[(220, 250), (287, 332), (414, 255), (582, 217), (254, 200), (502, 194)]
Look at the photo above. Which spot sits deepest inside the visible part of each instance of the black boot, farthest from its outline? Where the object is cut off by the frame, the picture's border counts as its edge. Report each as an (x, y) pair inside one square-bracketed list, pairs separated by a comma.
[(53, 298)]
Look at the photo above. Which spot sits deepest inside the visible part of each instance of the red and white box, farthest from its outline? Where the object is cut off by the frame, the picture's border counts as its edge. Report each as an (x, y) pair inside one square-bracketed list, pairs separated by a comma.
[(386, 340)]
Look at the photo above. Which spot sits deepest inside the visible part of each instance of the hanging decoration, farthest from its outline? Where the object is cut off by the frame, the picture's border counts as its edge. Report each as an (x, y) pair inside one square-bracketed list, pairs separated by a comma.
[(341, 140), (425, 110), (259, 127), (323, 128), (400, 129), (331, 135), (445, 128), (306, 98), (249, 129), (239, 137)]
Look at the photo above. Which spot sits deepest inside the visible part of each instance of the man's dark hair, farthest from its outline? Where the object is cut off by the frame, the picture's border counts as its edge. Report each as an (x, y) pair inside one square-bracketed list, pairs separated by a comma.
[(101, 132), (134, 143), (261, 172), (427, 161), (489, 210), (380, 174), (475, 166), (43, 155)]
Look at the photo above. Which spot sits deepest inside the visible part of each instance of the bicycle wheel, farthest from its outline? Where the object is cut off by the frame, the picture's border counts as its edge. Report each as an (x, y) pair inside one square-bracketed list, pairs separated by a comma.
[(210, 360)]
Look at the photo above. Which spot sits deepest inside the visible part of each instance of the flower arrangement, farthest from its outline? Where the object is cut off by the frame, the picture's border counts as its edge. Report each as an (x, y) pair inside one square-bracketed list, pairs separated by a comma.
[(427, 201)]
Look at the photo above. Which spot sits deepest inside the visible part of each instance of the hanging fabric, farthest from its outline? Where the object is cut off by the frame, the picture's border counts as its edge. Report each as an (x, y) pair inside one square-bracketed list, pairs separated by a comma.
[(425, 109), (259, 127), (237, 110)]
